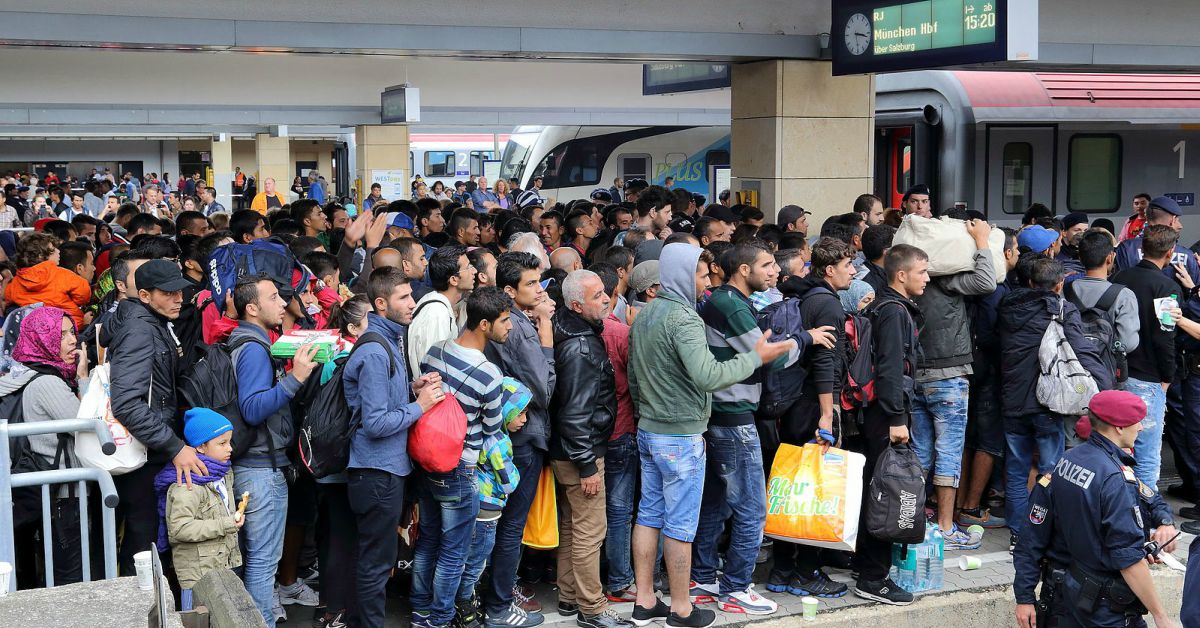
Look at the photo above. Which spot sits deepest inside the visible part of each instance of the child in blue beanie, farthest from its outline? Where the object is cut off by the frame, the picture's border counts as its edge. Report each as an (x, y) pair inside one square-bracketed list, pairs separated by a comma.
[(201, 522)]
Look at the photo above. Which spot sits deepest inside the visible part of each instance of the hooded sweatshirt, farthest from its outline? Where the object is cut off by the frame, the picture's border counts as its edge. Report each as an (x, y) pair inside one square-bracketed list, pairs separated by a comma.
[(672, 373), (51, 285)]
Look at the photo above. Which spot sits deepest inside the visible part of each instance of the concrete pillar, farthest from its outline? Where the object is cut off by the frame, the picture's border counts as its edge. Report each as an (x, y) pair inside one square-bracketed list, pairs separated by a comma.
[(802, 136), (382, 147), (222, 165), (274, 158)]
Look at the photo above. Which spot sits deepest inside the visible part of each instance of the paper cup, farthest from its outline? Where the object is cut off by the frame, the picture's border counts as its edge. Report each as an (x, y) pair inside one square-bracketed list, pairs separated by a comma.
[(975, 530), (810, 605), (145, 573), (6, 570), (967, 563)]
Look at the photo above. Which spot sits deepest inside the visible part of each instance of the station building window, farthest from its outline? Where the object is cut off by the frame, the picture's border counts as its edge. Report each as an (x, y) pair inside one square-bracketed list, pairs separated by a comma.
[(439, 163), (1094, 173), (1017, 184)]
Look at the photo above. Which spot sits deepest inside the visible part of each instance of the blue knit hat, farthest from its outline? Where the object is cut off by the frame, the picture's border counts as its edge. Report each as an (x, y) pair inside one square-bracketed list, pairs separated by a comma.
[(514, 397), (201, 425)]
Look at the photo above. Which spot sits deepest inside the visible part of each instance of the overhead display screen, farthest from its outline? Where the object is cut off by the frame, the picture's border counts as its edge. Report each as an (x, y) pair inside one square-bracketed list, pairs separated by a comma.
[(884, 35)]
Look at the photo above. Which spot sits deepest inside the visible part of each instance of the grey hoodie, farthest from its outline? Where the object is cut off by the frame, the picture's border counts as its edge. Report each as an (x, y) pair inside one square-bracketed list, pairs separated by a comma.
[(677, 270), (46, 399)]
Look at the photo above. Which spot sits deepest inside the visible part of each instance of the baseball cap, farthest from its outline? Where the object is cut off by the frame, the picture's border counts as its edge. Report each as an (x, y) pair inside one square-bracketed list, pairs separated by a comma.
[(682, 224), (790, 213), (1119, 408), (1037, 238), (400, 220), (161, 274), (644, 276), (722, 213), (1167, 204)]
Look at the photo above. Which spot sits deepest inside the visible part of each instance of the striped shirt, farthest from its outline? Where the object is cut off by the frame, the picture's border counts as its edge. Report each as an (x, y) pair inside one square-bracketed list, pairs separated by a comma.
[(475, 383), (731, 328)]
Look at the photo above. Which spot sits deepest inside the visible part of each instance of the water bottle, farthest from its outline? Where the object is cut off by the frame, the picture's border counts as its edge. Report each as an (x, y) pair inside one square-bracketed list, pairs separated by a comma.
[(937, 551), (1164, 318), (921, 581), (903, 566)]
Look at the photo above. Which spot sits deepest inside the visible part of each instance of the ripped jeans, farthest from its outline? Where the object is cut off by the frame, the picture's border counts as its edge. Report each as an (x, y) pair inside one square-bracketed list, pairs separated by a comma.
[(1147, 450)]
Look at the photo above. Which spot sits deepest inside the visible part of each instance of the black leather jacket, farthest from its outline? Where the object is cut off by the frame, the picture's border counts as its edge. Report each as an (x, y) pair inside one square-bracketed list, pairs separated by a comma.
[(144, 362), (585, 405)]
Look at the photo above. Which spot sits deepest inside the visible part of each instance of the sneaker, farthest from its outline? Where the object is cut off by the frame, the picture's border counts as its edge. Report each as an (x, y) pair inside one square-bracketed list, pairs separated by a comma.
[(337, 620), (816, 584), (523, 598), (884, 591), (277, 607), (777, 582), (704, 593), (959, 539), (514, 617), (420, 619), (981, 517), (748, 602), (568, 609), (608, 618), (699, 618), (298, 593), (624, 596), (643, 616), (467, 615)]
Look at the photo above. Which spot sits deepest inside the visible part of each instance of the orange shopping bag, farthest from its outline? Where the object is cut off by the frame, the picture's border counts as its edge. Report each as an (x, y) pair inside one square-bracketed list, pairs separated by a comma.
[(541, 528), (815, 499)]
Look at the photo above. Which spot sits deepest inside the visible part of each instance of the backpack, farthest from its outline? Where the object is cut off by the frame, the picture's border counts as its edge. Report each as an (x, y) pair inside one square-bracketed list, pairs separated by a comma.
[(212, 384), (1063, 385), (1100, 329), (896, 497), (859, 389), (781, 387), (22, 458), (9, 333), (325, 430), (231, 262)]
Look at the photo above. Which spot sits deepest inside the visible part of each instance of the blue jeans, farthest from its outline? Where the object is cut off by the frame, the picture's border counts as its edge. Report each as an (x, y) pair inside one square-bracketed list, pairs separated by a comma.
[(939, 428), (1147, 450), (733, 486), (262, 533), (449, 504), (620, 484), (1042, 432), (672, 483), (506, 555), (482, 540)]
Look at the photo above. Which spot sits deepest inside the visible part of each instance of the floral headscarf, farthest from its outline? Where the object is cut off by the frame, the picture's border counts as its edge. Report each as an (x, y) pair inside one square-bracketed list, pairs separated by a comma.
[(40, 341)]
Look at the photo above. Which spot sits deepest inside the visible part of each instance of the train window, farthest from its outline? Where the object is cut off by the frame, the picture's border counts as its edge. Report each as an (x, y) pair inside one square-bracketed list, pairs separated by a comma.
[(715, 158), (1017, 166), (439, 163), (477, 159), (1094, 173), (635, 166)]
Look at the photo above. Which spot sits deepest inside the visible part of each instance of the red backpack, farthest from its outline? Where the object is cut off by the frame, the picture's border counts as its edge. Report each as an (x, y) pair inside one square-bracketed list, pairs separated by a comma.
[(436, 440)]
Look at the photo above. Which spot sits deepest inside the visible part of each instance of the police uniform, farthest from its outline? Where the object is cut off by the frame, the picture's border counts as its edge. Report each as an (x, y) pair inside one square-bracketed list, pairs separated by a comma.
[(1089, 519), (1189, 615)]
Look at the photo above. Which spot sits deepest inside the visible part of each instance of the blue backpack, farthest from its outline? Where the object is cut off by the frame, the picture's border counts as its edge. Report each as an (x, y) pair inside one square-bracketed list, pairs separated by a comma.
[(230, 262), (781, 387)]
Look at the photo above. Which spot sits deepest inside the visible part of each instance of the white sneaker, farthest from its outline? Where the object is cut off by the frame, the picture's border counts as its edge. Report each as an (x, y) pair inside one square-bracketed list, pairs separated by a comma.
[(748, 602), (298, 593), (277, 607), (701, 593)]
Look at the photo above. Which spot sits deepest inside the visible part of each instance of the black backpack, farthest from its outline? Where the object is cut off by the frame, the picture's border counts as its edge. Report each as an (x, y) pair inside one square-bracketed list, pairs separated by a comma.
[(325, 430), (896, 497), (212, 384), (1100, 329), (22, 459), (781, 387)]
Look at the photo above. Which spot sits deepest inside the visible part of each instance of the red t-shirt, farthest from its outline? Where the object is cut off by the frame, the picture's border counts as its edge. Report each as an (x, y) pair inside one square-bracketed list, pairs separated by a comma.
[(616, 342)]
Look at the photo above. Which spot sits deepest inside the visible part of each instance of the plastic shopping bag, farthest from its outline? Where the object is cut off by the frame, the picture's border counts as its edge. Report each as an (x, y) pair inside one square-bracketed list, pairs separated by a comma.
[(541, 528), (815, 498), (96, 405)]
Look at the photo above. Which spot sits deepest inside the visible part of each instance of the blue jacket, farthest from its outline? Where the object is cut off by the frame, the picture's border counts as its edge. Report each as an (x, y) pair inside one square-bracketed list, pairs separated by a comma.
[(264, 396), (316, 192), (379, 406), (523, 358), (481, 195)]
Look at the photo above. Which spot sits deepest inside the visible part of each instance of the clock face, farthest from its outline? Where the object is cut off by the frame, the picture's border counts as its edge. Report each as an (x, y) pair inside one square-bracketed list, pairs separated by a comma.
[(858, 34)]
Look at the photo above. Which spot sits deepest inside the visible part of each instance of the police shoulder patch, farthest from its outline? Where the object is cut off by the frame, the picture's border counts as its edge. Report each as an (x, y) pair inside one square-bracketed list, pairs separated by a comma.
[(1037, 514), (1128, 473), (1145, 491), (1045, 480)]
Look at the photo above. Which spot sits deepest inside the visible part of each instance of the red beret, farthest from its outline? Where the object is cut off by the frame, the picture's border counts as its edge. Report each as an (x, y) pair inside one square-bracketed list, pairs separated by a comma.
[(1118, 408), (42, 222), (1083, 428)]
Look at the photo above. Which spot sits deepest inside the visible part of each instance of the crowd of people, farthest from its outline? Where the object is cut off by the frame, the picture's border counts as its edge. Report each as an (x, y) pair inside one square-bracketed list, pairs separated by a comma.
[(615, 340)]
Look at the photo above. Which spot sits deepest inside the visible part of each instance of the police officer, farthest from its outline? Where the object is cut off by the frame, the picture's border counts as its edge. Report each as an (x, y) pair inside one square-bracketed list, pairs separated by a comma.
[(1189, 615), (1090, 530)]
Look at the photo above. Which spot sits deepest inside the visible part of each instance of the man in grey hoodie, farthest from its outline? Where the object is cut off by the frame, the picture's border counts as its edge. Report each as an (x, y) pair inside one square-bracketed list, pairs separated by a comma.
[(672, 375)]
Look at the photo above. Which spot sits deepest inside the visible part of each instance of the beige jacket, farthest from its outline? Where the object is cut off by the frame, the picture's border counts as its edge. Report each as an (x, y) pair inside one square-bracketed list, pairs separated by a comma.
[(201, 530)]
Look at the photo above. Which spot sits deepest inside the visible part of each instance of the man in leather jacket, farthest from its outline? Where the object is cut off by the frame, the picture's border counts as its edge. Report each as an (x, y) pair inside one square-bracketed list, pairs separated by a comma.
[(586, 408)]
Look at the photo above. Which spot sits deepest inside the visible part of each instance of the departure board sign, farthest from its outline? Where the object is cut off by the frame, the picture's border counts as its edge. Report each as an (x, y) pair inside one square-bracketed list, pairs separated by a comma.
[(886, 35), (671, 78)]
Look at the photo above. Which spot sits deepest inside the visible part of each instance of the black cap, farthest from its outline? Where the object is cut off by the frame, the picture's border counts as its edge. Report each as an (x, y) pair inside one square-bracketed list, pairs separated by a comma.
[(161, 274), (722, 213)]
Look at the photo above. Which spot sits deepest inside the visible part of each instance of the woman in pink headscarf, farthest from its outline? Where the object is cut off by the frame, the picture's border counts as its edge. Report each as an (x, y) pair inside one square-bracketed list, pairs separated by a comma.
[(46, 375)]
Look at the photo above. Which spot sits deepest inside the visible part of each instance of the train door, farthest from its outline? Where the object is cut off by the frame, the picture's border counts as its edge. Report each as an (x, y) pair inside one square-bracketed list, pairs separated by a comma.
[(1020, 169), (894, 163)]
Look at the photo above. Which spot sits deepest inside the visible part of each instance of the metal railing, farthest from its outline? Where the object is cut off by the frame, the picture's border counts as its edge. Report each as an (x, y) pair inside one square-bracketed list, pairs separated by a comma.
[(45, 479)]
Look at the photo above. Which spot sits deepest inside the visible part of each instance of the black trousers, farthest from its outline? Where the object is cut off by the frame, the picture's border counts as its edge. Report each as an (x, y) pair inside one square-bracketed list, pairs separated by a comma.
[(337, 548), (872, 557), (137, 514), (377, 500)]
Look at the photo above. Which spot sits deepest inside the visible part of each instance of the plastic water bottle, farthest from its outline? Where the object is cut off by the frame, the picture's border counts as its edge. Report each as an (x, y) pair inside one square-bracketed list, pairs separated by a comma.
[(937, 552), (1165, 322), (904, 565)]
